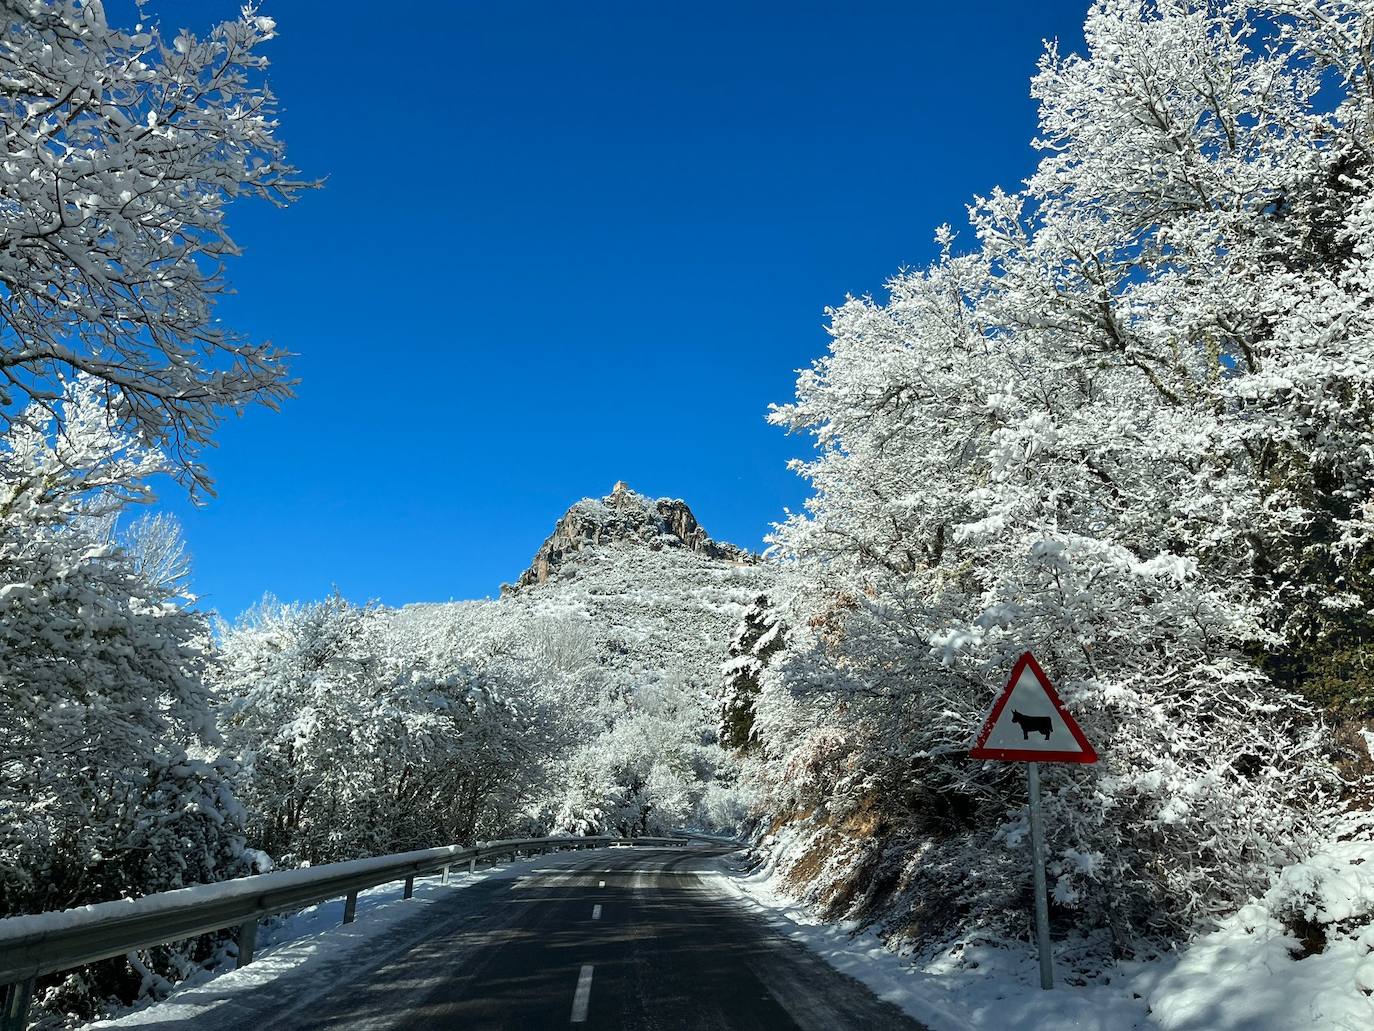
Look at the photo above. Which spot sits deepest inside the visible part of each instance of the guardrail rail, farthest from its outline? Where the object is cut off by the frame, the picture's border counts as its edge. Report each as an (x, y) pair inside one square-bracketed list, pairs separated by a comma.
[(33, 946)]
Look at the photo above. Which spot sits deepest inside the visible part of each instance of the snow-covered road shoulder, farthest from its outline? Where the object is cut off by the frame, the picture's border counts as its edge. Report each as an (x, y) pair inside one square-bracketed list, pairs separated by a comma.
[(1250, 974), (986, 988)]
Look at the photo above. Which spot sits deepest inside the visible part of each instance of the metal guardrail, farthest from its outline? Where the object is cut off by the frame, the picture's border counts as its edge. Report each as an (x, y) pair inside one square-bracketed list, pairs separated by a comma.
[(711, 839), (32, 946)]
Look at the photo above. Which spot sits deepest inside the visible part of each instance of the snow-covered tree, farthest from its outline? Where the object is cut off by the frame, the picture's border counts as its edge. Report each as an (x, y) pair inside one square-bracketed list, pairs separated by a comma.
[(158, 550), (363, 731), (111, 781), (757, 639), (1130, 430), (122, 151), (296, 684), (647, 770), (523, 701)]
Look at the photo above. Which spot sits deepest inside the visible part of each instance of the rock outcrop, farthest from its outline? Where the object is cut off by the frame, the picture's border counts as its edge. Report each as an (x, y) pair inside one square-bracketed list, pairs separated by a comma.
[(622, 517)]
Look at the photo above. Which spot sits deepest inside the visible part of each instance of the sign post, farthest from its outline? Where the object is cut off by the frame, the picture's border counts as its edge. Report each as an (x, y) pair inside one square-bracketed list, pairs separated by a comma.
[(1042, 902), (1028, 723)]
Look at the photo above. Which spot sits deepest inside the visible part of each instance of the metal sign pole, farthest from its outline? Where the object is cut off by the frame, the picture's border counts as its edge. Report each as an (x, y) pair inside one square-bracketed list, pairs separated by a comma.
[(1042, 904)]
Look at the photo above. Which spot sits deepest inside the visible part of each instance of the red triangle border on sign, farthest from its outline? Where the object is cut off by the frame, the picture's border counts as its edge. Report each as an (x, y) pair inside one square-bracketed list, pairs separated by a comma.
[(979, 751)]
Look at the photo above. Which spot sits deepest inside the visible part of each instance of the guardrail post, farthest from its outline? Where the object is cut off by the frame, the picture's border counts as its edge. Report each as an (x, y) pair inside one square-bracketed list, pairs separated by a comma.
[(444, 878), (248, 942), (410, 888), (472, 865), (17, 998), (351, 907)]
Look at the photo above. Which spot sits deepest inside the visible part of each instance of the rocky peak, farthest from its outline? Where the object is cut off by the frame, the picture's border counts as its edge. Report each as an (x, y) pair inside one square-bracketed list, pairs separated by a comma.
[(623, 516)]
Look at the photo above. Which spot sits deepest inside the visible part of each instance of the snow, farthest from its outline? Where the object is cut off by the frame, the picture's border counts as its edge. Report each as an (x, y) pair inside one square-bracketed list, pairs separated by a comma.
[(1336, 884), (970, 987), (1244, 976), (976, 986), (1247, 975)]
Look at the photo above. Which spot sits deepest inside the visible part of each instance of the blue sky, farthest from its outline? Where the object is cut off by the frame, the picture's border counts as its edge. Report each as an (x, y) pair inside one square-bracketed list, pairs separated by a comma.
[(563, 246)]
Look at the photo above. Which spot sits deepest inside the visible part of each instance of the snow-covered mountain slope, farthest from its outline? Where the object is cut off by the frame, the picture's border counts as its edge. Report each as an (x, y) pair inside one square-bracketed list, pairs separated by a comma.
[(641, 585), (622, 620)]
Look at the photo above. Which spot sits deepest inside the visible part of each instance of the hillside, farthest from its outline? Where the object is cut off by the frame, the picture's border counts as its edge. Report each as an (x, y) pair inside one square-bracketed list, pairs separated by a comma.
[(626, 612), (641, 582)]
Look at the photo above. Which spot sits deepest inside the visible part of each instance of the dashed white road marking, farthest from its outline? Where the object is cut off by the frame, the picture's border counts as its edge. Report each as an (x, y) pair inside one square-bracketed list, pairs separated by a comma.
[(583, 996), (596, 912)]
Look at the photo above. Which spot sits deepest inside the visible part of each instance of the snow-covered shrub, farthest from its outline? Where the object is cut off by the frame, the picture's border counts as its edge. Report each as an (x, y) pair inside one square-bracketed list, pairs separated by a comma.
[(1301, 954)]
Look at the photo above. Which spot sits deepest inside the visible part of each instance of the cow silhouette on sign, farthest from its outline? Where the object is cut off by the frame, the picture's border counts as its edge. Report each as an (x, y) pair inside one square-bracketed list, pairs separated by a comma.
[(1039, 724)]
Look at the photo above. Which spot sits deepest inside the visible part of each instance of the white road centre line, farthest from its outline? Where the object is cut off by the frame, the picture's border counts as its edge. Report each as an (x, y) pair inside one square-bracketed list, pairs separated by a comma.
[(596, 912), (582, 996)]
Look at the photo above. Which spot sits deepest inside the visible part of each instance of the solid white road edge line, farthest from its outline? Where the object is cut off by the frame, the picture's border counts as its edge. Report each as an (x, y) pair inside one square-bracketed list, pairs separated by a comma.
[(596, 912), (582, 996)]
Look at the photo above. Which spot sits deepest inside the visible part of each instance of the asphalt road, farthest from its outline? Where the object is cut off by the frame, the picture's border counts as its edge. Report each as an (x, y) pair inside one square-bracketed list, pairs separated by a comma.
[(619, 938)]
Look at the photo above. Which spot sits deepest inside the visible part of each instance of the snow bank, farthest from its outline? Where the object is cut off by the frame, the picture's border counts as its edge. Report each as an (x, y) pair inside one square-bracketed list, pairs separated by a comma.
[(1244, 977), (1253, 973)]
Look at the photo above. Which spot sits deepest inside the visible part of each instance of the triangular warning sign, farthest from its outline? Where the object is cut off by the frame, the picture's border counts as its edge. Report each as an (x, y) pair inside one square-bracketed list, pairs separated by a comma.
[(1028, 722)]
